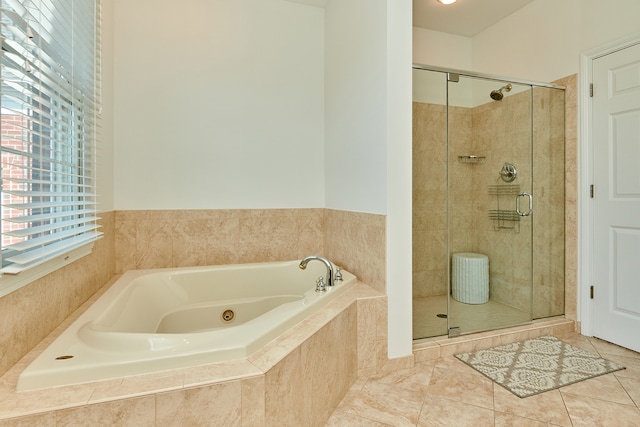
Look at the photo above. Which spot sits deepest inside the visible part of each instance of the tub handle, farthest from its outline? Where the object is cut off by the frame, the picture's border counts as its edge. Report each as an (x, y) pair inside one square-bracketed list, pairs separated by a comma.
[(320, 285)]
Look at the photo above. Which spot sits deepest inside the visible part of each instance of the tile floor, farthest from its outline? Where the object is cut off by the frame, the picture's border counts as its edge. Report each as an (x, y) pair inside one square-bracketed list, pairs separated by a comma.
[(446, 392), (468, 317)]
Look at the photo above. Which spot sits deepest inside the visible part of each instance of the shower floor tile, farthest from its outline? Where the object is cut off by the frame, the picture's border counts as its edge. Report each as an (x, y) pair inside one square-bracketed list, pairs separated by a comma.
[(468, 317)]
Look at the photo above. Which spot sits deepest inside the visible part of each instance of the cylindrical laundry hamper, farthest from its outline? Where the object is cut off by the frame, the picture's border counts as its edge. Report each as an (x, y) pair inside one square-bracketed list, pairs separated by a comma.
[(470, 278)]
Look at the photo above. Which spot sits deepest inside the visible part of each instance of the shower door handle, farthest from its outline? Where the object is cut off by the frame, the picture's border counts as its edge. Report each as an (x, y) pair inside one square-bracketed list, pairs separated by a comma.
[(530, 211)]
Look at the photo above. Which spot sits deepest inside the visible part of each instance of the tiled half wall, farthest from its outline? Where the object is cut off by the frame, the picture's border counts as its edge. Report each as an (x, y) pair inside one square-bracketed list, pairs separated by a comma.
[(286, 382)]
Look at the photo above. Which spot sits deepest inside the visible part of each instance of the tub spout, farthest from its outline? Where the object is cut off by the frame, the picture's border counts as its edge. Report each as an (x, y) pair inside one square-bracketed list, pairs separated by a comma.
[(326, 262)]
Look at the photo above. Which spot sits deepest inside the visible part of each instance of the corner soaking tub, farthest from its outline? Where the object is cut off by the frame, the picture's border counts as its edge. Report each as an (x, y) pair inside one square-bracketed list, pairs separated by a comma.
[(153, 320)]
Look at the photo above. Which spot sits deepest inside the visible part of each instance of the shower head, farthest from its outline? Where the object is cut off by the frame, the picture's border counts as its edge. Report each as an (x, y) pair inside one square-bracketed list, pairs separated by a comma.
[(497, 95)]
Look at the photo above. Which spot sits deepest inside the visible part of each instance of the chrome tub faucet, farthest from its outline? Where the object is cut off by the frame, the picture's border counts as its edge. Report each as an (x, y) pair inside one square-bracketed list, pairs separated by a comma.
[(326, 262)]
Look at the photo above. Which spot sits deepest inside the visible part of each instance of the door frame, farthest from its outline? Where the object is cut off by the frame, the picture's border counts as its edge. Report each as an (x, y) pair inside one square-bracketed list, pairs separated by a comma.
[(585, 178)]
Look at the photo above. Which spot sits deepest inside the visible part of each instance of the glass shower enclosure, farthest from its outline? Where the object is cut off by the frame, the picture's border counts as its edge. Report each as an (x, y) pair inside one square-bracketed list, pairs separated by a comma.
[(488, 202)]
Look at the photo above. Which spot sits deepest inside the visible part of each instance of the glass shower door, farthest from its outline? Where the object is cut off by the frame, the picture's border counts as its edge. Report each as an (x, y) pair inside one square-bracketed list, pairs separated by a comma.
[(490, 203)]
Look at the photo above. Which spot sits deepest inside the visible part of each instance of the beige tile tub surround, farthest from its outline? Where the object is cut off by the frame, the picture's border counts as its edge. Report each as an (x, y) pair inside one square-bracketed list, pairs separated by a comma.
[(30, 313), (185, 238), (145, 239), (357, 241), (299, 378)]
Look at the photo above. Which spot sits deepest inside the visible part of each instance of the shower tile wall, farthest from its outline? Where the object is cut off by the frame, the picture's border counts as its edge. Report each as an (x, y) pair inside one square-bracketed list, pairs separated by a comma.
[(488, 130), (548, 219), (501, 133), (429, 200), (571, 196)]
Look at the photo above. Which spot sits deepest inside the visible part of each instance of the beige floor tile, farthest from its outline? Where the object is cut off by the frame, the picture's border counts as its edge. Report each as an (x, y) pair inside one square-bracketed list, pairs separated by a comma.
[(546, 407), (579, 341), (387, 404), (609, 348), (632, 387), (457, 395), (351, 394), (589, 412), (451, 362), (345, 419), (605, 387), (467, 387), (632, 365), (441, 412), (414, 379), (510, 420)]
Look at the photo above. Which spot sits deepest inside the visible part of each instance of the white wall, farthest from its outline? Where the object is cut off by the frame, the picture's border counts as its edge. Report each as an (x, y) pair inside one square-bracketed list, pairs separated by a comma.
[(104, 166), (399, 178), (355, 105), (221, 104), (441, 49), (368, 133), (604, 21), (543, 41), (218, 104)]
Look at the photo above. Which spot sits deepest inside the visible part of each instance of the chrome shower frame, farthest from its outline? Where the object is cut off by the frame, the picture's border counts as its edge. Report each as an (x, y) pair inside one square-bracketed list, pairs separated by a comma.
[(485, 76), (479, 98)]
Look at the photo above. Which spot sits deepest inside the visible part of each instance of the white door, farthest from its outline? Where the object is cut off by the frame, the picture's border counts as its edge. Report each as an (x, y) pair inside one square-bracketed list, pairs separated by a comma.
[(616, 203)]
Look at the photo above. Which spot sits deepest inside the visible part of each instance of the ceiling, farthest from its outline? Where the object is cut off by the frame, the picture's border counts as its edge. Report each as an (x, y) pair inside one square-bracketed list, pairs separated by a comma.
[(464, 17)]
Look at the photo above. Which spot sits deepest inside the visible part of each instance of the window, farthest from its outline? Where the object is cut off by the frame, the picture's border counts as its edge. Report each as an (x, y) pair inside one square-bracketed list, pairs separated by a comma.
[(48, 106)]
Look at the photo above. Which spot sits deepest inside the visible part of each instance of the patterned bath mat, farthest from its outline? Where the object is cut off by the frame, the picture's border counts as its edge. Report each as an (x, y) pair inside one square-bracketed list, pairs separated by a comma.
[(537, 365)]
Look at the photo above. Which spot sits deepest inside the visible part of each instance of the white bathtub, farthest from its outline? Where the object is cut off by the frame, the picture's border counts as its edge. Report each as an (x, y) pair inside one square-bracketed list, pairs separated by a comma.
[(153, 320)]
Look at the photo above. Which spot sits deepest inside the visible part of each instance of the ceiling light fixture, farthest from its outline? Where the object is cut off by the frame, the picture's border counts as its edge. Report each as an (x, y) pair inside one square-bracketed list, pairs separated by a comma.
[(447, 1)]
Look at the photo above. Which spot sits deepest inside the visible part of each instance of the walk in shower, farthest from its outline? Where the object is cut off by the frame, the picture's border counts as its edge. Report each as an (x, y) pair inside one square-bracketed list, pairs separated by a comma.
[(488, 201)]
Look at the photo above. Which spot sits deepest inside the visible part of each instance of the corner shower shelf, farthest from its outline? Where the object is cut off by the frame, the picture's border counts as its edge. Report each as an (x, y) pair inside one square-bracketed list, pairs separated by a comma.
[(471, 159)]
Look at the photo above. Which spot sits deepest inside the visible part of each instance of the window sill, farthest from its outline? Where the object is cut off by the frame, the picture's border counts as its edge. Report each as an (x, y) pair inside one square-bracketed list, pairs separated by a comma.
[(10, 283)]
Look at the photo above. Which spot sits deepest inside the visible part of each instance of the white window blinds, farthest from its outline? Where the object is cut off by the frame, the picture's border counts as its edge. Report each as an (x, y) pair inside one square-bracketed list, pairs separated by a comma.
[(49, 78)]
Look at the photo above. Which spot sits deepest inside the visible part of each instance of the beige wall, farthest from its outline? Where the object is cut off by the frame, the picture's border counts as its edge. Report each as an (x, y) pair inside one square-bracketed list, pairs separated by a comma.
[(482, 131), (30, 313)]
